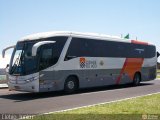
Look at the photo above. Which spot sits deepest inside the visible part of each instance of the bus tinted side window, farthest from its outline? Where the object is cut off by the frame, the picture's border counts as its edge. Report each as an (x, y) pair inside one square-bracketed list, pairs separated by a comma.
[(80, 47), (58, 46), (150, 51), (135, 51), (109, 49), (76, 49), (140, 51)]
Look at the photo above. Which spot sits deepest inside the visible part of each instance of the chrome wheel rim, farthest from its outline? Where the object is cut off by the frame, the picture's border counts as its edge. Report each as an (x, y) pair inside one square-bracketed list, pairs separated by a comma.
[(70, 85)]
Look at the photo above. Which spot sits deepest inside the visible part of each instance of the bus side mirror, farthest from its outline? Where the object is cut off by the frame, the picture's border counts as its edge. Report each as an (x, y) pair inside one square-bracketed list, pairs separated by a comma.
[(4, 50), (158, 54), (38, 44), (7, 65)]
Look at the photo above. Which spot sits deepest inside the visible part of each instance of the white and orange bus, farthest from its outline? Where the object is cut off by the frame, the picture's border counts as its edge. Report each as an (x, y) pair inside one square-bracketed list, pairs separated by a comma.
[(68, 61)]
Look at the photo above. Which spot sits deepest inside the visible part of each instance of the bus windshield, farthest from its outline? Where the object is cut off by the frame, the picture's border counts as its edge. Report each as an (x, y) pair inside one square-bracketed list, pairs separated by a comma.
[(22, 62)]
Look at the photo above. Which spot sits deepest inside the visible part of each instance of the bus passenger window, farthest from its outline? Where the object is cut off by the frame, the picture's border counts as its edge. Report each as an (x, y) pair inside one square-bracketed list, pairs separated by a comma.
[(46, 58)]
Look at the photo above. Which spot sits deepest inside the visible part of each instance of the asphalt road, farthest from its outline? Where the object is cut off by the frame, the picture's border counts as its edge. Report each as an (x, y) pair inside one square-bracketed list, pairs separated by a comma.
[(12, 102)]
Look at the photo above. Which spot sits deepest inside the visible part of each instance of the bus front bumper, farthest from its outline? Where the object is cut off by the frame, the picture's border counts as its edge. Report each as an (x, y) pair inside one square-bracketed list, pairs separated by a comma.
[(27, 87)]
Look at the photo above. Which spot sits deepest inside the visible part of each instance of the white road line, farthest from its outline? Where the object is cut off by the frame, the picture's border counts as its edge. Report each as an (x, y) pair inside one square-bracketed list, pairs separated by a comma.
[(100, 103)]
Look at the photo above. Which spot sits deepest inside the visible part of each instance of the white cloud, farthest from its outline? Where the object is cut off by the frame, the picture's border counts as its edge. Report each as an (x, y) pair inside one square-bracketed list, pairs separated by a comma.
[(4, 61)]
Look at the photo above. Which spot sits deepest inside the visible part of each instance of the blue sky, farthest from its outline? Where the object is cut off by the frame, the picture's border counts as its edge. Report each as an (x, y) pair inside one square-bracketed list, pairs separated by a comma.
[(140, 18)]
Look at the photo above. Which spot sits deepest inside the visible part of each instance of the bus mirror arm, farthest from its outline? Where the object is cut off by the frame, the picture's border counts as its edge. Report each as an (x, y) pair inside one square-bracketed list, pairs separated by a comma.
[(4, 50), (38, 44)]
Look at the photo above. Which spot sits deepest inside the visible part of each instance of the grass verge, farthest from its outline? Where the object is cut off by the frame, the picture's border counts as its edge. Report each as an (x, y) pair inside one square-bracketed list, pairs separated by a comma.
[(158, 70), (158, 76), (137, 108)]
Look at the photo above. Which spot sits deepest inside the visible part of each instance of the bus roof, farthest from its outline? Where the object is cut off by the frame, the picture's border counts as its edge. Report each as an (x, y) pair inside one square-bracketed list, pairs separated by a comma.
[(76, 34)]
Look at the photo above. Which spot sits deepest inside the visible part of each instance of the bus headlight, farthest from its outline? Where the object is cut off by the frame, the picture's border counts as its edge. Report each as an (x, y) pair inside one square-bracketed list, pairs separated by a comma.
[(28, 80), (31, 79)]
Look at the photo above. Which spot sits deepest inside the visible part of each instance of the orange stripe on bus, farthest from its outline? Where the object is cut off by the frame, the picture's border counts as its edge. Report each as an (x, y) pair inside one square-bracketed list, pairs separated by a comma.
[(139, 42), (130, 67)]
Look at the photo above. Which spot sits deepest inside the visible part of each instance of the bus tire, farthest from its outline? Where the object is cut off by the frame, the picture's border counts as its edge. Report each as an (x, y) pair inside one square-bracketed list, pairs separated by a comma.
[(136, 79), (71, 84)]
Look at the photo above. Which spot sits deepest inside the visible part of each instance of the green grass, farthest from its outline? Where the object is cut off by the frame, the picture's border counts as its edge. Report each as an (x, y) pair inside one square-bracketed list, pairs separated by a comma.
[(127, 109), (158, 70), (158, 76), (158, 73)]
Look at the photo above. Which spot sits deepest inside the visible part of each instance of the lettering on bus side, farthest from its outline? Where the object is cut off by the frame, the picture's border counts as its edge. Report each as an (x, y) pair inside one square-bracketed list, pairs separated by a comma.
[(87, 63)]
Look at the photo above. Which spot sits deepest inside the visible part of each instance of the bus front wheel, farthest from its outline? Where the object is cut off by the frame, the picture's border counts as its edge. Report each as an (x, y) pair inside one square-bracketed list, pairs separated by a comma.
[(136, 79), (71, 85)]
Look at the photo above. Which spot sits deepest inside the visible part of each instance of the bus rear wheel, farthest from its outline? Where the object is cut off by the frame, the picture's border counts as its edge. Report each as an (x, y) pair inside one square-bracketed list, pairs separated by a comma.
[(71, 85), (136, 79)]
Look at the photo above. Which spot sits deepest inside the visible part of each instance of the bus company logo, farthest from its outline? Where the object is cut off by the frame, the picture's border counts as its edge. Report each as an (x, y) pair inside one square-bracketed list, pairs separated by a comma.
[(82, 62), (87, 63)]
